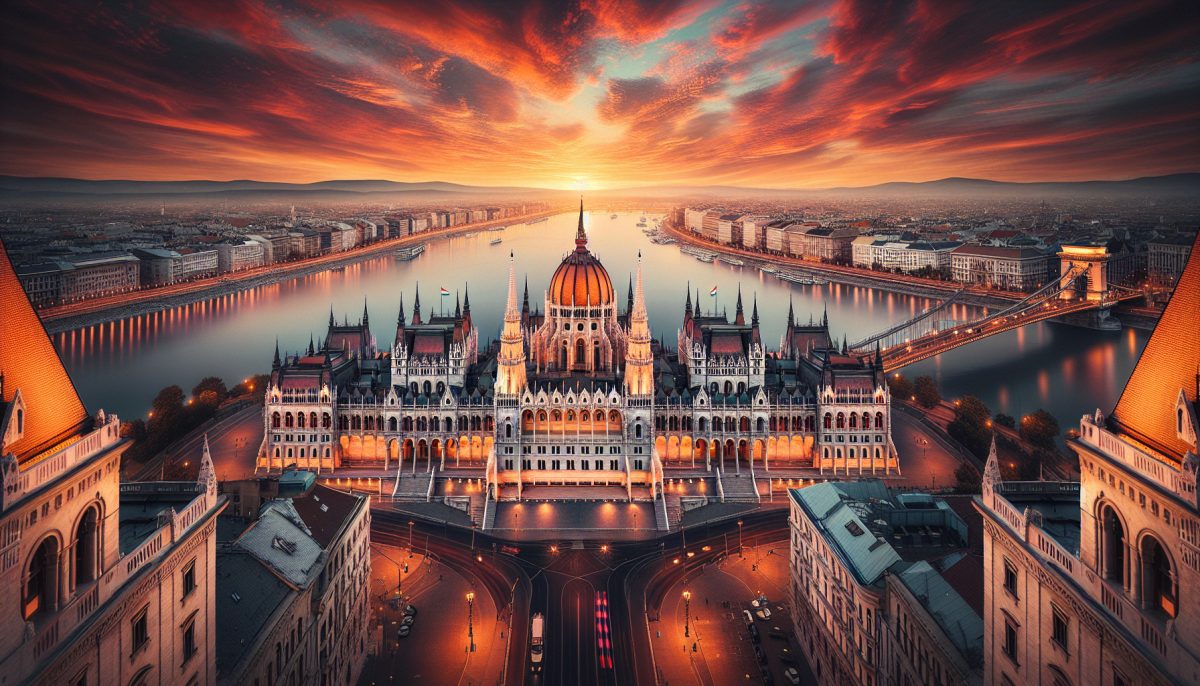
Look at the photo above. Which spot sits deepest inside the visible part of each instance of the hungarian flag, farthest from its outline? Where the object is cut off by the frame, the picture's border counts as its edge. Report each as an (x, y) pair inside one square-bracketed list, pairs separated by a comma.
[(445, 292), (713, 292)]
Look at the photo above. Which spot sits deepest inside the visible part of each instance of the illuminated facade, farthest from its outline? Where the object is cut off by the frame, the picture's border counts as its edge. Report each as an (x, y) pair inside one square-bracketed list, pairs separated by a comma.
[(103, 582), (1094, 582), (578, 394)]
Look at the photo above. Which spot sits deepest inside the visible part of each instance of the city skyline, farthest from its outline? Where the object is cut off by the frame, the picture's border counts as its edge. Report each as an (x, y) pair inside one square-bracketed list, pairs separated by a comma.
[(601, 95)]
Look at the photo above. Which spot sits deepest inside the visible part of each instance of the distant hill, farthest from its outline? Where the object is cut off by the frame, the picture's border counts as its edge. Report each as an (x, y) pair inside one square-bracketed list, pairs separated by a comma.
[(18, 187)]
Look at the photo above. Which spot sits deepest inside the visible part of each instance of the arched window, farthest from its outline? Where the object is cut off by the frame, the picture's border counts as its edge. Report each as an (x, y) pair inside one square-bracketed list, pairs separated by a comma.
[(407, 423), (41, 579), (562, 356), (86, 550), (703, 424), (761, 424), (541, 416), (866, 420), (828, 421), (580, 351), (556, 415), (614, 417), (841, 420), (448, 425), (637, 430), (853, 421), (300, 420), (274, 420), (288, 421), (585, 416), (570, 415), (508, 429), (595, 353), (312, 419), (878, 420), (428, 387), (1113, 546), (1158, 583), (728, 387), (391, 423), (326, 420)]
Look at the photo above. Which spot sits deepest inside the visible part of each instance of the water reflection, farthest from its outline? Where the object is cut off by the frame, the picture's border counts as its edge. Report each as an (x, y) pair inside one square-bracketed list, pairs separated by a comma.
[(120, 365)]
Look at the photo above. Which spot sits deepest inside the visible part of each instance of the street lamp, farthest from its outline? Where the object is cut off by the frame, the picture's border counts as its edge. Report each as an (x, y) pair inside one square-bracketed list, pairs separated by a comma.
[(470, 622), (687, 612), (410, 530), (740, 539)]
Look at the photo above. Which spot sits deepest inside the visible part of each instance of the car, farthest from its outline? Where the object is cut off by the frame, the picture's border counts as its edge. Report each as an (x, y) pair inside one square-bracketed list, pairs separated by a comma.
[(411, 611), (404, 631), (408, 620), (758, 602), (764, 613), (749, 617), (792, 675), (754, 636)]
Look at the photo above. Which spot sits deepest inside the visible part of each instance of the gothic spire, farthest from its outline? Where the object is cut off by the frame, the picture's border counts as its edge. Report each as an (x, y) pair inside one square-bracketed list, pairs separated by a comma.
[(878, 357), (311, 350), (366, 319), (275, 362), (825, 315), (400, 317), (525, 299), (416, 318), (754, 312), (580, 235), (466, 299), (208, 474), (629, 299), (332, 323), (739, 315), (457, 306), (791, 323), (687, 306)]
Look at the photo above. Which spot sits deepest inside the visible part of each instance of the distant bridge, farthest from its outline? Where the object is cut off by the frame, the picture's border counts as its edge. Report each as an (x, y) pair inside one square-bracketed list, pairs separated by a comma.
[(925, 335)]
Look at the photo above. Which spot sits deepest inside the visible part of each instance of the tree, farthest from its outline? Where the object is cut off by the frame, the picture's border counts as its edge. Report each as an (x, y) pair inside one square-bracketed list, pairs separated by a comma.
[(970, 425), (902, 388), (1040, 429), (210, 390), (966, 479), (1005, 420), (926, 391)]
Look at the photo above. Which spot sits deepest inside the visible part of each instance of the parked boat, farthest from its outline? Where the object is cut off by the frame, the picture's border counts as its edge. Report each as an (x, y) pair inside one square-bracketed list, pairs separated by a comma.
[(729, 259), (495, 241), (705, 258), (767, 269), (613, 217), (410, 252), (538, 221)]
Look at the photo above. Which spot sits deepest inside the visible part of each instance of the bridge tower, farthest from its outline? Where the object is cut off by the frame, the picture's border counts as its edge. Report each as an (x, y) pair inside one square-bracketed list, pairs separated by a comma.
[(1093, 261)]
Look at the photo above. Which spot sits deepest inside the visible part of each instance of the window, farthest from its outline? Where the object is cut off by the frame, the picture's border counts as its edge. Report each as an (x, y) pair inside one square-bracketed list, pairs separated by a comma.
[(139, 631), (1059, 628), (1119, 679), (189, 639), (189, 578), (1010, 579), (1010, 640)]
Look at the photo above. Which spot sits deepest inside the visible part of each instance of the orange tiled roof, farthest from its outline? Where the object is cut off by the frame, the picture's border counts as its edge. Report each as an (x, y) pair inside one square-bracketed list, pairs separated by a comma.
[(1146, 410), (29, 362)]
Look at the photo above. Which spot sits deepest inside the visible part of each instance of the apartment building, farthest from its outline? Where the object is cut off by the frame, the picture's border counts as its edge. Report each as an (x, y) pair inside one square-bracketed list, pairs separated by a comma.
[(1012, 269)]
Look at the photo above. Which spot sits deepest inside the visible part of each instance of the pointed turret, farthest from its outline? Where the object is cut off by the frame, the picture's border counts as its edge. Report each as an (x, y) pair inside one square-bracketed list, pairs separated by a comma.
[(878, 357), (581, 235), (311, 350), (629, 296), (639, 360), (400, 316), (845, 348), (275, 362), (466, 299), (755, 334), (457, 306), (416, 318), (208, 475), (332, 322), (791, 322), (366, 318), (825, 316), (510, 362), (739, 315), (687, 306)]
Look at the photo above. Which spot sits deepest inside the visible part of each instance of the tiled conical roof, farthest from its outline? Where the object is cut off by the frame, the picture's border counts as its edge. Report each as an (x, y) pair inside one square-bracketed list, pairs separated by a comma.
[(1170, 362), (28, 361)]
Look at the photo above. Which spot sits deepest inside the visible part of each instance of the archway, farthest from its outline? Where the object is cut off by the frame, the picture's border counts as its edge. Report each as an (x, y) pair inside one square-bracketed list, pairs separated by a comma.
[(41, 579), (86, 549)]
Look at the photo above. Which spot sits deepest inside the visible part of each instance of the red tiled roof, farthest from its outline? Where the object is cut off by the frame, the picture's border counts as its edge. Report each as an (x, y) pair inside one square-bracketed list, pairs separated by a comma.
[(726, 344), (429, 344), (53, 411), (302, 382), (1170, 362)]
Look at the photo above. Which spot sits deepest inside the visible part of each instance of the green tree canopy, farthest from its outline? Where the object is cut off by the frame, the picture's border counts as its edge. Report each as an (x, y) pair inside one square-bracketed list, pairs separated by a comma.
[(926, 391)]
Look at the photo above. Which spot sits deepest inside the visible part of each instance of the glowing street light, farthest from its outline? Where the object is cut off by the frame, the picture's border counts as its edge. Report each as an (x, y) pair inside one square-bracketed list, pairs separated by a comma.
[(470, 622)]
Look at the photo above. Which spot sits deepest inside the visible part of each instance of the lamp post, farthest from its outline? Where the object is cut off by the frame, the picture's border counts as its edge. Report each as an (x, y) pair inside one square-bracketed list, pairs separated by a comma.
[(687, 613), (410, 530), (740, 539), (470, 622)]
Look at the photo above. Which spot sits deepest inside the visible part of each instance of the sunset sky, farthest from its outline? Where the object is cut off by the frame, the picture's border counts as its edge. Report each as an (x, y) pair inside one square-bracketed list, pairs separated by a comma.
[(601, 94)]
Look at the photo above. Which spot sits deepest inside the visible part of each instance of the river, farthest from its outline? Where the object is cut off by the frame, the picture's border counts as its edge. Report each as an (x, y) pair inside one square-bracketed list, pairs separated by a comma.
[(121, 365)]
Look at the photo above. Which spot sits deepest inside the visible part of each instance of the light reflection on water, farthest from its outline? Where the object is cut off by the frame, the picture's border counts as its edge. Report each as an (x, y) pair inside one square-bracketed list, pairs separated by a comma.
[(120, 365)]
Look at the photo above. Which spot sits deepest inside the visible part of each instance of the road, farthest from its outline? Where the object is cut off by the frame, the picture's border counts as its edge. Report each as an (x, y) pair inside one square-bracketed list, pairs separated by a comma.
[(232, 441)]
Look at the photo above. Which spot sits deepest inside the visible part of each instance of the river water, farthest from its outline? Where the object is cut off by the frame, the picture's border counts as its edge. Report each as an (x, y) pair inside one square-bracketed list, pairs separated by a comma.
[(121, 365)]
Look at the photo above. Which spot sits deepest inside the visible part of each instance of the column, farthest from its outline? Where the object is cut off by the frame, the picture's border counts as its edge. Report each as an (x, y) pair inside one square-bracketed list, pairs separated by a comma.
[(1134, 560)]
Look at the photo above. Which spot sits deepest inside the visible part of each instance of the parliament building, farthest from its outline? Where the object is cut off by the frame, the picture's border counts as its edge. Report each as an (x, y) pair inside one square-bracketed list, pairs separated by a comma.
[(578, 393)]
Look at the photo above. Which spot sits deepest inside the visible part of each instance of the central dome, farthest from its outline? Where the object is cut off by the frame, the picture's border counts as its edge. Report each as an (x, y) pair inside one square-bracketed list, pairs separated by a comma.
[(581, 281)]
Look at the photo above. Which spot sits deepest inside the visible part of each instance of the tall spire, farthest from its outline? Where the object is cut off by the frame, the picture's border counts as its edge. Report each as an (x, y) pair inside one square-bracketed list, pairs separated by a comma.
[(580, 234), (687, 306), (311, 350), (275, 362), (332, 323), (629, 298), (754, 312), (416, 319), (400, 317), (639, 360), (457, 306), (791, 315), (825, 315), (739, 315), (366, 319), (525, 298), (466, 299), (510, 363), (208, 474)]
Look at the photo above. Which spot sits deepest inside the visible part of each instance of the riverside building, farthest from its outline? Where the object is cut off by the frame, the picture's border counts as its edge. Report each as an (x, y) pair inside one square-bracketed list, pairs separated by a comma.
[(103, 582), (577, 394), (1095, 582)]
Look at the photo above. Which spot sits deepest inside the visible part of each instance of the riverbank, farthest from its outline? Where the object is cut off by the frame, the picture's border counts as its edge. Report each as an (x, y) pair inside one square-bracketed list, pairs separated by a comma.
[(902, 284), (103, 310)]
